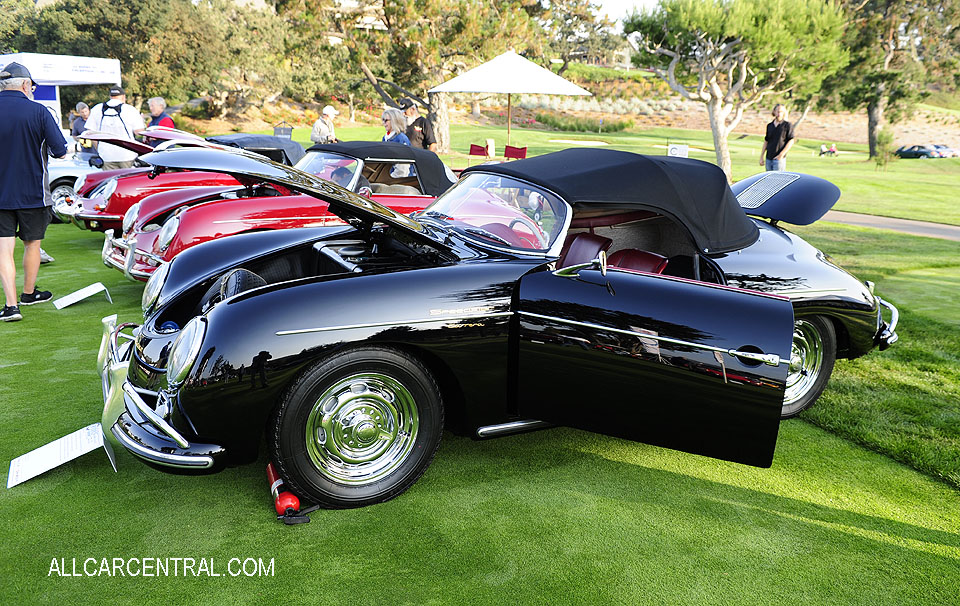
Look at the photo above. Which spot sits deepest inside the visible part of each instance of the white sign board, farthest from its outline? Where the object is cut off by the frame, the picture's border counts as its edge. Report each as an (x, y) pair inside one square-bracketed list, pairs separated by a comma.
[(54, 454), (676, 150), (81, 294)]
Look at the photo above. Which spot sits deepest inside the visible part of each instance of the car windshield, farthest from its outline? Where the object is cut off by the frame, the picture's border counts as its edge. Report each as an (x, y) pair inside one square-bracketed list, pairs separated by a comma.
[(501, 211), (332, 167)]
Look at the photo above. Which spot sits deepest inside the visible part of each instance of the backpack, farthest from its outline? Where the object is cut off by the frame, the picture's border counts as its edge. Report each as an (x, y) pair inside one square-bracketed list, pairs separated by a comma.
[(114, 122)]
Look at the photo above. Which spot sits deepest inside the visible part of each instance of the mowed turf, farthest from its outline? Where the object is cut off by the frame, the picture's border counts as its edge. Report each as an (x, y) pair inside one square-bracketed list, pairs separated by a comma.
[(558, 516), (924, 190)]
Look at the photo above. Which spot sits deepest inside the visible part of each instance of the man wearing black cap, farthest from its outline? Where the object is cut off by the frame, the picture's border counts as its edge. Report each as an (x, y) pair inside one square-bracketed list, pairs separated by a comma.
[(29, 133), (118, 118), (419, 129)]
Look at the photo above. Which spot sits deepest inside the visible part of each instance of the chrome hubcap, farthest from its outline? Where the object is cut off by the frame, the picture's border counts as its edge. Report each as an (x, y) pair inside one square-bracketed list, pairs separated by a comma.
[(361, 428), (806, 358)]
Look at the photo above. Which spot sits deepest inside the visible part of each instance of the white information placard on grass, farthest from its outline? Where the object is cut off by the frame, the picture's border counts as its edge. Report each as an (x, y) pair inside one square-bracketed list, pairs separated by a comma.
[(81, 294), (54, 454)]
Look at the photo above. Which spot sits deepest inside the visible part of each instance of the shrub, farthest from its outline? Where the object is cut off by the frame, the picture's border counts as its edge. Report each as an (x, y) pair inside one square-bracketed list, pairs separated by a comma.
[(583, 124)]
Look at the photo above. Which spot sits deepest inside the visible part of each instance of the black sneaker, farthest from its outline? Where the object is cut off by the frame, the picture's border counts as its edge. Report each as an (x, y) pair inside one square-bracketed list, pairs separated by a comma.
[(10, 313), (37, 296)]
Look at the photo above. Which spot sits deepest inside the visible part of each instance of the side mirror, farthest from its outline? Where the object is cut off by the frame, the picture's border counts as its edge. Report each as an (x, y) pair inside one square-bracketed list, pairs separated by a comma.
[(96, 162), (574, 270)]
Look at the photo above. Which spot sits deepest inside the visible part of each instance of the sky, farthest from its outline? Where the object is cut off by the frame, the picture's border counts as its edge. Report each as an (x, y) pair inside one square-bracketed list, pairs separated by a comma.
[(617, 9)]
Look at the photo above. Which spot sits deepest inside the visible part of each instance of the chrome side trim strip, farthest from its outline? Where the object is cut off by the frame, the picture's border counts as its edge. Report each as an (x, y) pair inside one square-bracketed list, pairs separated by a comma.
[(171, 460), (769, 359), (489, 431), (300, 331), (153, 417)]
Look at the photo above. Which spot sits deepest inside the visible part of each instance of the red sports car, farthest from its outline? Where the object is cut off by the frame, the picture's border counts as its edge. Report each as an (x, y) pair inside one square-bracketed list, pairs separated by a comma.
[(164, 224), (104, 197)]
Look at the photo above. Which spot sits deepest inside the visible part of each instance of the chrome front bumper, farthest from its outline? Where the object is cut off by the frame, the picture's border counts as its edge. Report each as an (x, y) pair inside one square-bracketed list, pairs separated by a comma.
[(130, 422), (887, 333), (125, 262)]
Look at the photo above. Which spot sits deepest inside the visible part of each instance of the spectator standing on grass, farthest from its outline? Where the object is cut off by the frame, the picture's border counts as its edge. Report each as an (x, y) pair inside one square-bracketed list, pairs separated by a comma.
[(778, 140), (419, 130), (323, 129), (83, 112), (118, 118), (29, 133), (395, 123)]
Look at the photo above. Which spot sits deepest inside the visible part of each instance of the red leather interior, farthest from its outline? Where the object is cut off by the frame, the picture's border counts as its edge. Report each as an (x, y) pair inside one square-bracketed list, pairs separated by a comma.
[(637, 260), (582, 248)]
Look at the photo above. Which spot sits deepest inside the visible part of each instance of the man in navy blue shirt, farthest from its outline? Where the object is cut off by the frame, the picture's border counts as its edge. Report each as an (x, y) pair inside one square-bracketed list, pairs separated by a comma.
[(28, 132)]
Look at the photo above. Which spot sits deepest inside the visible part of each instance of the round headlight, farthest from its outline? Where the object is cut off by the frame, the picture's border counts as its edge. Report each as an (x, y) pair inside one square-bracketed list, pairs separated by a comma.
[(167, 232), (185, 351), (151, 291), (108, 188), (130, 217)]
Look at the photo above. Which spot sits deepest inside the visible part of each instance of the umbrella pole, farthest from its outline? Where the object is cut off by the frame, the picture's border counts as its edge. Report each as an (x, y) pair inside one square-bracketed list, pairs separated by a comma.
[(508, 118)]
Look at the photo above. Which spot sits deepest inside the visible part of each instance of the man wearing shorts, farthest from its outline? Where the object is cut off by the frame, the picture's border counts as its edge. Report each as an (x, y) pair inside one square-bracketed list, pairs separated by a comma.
[(29, 133)]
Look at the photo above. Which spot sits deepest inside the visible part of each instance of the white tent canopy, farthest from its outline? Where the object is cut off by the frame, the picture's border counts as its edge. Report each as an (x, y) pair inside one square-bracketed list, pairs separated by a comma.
[(65, 70), (510, 74), (50, 72)]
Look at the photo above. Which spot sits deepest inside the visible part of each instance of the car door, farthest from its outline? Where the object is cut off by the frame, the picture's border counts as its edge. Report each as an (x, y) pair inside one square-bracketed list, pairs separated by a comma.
[(649, 358)]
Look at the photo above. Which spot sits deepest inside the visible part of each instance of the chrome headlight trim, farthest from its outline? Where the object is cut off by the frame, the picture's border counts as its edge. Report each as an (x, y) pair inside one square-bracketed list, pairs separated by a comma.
[(79, 183), (106, 190), (185, 350), (151, 291), (130, 218), (167, 232)]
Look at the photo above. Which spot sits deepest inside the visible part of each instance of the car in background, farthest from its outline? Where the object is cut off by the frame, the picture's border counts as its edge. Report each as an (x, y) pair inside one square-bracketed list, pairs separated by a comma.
[(918, 151), (349, 348), (946, 151), (105, 198), (65, 173), (163, 225)]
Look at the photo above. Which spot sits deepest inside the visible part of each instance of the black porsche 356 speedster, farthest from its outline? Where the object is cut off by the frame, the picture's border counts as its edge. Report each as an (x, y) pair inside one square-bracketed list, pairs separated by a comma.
[(603, 290)]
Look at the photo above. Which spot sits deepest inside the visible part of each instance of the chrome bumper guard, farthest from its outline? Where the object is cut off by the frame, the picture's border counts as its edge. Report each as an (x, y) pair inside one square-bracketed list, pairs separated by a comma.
[(129, 256), (65, 211), (887, 334), (129, 421)]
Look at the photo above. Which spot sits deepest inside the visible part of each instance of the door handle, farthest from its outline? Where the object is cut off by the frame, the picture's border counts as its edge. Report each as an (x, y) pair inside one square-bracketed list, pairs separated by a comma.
[(768, 359)]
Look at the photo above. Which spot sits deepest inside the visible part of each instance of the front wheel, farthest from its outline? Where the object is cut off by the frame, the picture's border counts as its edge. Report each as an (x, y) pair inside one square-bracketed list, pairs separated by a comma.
[(812, 355), (358, 428)]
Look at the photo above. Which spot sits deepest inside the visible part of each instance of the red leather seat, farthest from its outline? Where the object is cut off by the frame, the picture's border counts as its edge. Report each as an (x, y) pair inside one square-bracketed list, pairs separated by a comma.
[(637, 260), (582, 248)]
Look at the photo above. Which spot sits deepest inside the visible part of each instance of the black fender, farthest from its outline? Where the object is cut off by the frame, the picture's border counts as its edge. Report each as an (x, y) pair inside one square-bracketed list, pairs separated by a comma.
[(258, 342)]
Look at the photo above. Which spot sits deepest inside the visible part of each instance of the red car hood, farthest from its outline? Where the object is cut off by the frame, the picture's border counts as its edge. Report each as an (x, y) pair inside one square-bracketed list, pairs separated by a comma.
[(157, 204)]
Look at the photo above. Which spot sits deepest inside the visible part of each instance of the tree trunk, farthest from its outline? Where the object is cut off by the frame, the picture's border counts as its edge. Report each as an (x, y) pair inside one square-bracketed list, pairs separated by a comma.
[(719, 136), (440, 120), (875, 110), (475, 107), (353, 107), (803, 116)]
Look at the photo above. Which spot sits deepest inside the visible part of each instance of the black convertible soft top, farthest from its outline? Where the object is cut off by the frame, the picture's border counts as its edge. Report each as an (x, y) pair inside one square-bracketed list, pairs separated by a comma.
[(434, 175), (291, 150), (693, 192)]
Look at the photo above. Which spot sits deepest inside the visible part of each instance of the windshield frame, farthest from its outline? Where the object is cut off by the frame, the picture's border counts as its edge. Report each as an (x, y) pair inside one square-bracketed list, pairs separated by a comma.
[(352, 185), (555, 247)]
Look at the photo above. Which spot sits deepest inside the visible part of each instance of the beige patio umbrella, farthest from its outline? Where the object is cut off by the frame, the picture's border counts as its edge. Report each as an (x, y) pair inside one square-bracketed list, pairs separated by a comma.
[(510, 74)]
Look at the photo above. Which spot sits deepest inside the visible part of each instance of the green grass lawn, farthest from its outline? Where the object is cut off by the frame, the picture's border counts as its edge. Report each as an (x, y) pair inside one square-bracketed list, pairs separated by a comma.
[(559, 516), (924, 190)]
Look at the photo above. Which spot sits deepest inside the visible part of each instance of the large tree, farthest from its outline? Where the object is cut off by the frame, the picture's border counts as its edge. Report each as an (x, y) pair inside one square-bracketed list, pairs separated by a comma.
[(575, 29), (731, 54), (896, 46)]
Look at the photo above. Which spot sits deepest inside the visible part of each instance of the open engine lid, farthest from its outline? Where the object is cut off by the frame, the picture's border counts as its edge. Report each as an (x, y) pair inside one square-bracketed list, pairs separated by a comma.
[(783, 196), (247, 165)]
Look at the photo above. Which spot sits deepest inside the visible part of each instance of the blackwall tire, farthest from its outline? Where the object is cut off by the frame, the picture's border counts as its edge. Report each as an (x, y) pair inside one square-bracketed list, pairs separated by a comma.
[(812, 356), (357, 428)]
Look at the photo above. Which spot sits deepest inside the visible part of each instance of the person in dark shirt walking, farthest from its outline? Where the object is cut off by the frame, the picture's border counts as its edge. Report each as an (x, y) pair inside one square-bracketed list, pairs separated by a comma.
[(778, 140), (419, 129), (29, 134)]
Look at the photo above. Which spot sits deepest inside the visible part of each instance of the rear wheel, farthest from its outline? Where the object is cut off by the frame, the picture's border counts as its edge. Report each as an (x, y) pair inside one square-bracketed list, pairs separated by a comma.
[(358, 428), (812, 355)]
